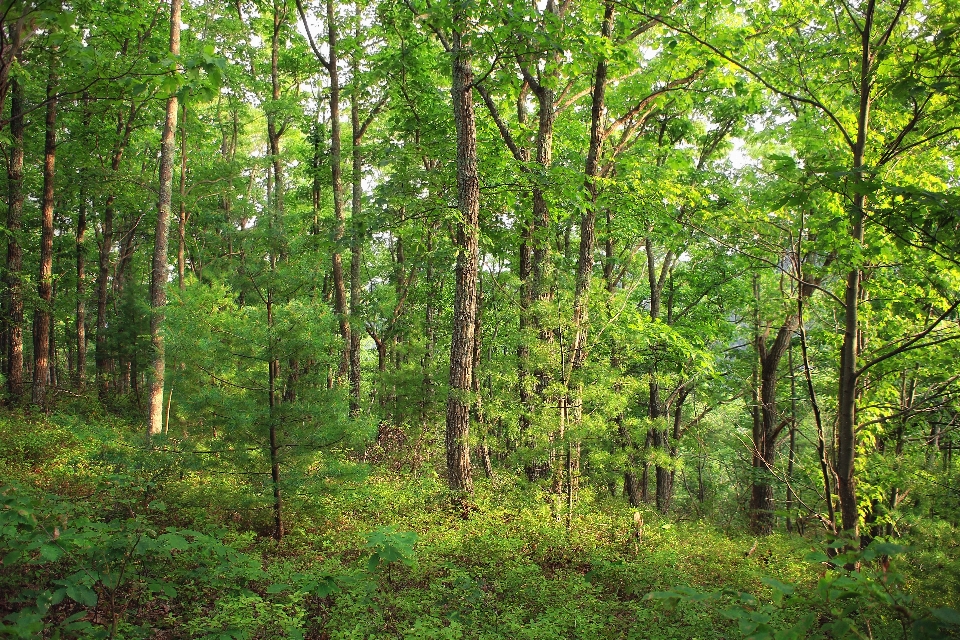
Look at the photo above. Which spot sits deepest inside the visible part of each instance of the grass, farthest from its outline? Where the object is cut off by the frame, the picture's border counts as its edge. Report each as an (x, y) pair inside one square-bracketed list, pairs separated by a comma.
[(509, 570)]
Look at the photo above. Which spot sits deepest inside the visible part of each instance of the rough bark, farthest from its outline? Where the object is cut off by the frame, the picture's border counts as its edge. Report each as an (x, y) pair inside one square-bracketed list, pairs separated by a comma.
[(43, 314), (589, 218), (158, 276), (459, 477), (14, 369)]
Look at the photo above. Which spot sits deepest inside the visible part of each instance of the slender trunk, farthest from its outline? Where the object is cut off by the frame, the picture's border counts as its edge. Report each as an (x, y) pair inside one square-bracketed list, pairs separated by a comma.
[(659, 437), (430, 331), (850, 348), (339, 284), (588, 220), (14, 370), (81, 317), (764, 437), (273, 375), (531, 284), (52, 373), (44, 313), (577, 355), (356, 233), (792, 451), (104, 362), (182, 218), (459, 477), (158, 279)]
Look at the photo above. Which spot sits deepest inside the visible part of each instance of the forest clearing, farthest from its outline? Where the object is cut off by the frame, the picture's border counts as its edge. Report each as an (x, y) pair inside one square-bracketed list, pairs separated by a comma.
[(443, 319)]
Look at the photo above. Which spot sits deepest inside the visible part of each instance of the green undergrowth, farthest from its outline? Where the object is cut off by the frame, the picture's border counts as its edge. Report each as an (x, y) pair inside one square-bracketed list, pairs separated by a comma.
[(101, 539)]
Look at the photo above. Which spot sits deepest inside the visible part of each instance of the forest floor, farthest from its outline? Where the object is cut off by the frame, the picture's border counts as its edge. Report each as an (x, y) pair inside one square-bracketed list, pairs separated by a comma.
[(103, 539)]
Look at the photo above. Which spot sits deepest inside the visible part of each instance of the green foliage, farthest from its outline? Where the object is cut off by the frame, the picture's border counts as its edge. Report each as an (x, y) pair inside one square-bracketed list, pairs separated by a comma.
[(857, 596)]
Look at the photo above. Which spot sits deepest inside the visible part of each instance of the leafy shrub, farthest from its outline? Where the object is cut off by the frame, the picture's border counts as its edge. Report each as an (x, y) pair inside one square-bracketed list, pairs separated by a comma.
[(856, 598)]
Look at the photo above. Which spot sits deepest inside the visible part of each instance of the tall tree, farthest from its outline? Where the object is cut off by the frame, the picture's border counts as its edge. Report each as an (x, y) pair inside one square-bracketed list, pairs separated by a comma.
[(158, 273), (14, 329), (42, 317), (459, 475)]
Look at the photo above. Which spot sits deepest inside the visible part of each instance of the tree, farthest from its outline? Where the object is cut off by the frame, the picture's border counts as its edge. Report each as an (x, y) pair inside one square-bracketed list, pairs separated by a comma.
[(42, 317), (459, 477), (158, 274)]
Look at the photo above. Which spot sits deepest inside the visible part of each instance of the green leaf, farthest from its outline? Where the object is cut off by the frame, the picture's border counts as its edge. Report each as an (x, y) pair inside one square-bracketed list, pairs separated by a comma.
[(12, 557), (82, 595), (816, 556), (946, 615), (51, 552)]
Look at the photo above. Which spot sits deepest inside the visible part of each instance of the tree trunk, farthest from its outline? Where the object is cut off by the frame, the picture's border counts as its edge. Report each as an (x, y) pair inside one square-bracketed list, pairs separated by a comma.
[(273, 374), (589, 218), (14, 370), (158, 279), (659, 436), (339, 284), (767, 430), (182, 218), (124, 131), (850, 348), (44, 313), (457, 436), (356, 232), (81, 317)]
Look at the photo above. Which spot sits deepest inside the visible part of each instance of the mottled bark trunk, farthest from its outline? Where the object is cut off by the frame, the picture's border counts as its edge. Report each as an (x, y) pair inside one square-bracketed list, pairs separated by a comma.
[(43, 315), (459, 477), (158, 275), (14, 369)]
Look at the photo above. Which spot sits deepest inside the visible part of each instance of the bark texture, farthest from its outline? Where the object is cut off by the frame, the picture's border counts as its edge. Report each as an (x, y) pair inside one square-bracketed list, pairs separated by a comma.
[(43, 314), (14, 369), (459, 477), (158, 278)]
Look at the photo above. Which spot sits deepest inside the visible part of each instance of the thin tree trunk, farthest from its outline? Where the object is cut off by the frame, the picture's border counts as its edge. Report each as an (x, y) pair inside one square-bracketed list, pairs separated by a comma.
[(459, 477), (357, 230), (589, 218), (43, 314), (273, 375), (850, 348), (659, 435), (158, 279), (14, 370), (792, 451), (182, 218), (339, 284), (103, 360), (81, 317)]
